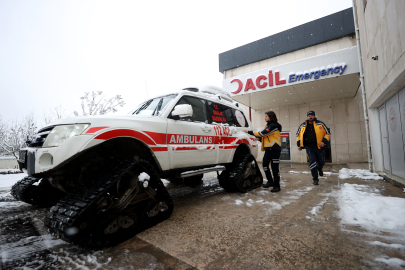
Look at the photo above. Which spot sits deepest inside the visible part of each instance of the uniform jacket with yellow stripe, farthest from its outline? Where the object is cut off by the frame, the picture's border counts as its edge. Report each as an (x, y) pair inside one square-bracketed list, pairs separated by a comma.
[(321, 131), (270, 136)]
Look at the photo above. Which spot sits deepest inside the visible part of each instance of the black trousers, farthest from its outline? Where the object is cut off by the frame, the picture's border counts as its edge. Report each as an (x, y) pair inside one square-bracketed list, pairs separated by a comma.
[(316, 160), (273, 157)]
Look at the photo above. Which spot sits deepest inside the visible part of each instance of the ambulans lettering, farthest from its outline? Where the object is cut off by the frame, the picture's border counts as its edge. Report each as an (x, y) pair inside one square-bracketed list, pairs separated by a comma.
[(190, 139)]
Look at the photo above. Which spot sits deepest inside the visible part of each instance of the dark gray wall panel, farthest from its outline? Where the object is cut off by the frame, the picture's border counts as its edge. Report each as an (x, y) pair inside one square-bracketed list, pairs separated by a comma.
[(322, 30)]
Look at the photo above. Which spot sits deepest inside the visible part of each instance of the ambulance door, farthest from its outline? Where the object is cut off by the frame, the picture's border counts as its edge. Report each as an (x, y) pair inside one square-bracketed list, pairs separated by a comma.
[(191, 140), (223, 120)]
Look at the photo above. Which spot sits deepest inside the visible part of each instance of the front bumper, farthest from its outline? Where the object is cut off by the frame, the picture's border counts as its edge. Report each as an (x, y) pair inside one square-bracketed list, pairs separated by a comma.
[(40, 160), (26, 160)]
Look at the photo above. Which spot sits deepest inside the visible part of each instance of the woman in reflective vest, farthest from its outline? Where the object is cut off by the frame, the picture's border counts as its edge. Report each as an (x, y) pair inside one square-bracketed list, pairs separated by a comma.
[(271, 145)]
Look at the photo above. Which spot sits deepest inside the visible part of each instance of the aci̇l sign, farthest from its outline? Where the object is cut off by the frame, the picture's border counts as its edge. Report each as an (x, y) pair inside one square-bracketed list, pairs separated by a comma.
[(269, 80), (342, 62)]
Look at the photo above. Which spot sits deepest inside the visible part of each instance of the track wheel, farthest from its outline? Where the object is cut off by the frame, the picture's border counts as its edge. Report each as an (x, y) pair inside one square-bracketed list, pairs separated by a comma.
[(42, 195), (246, 174)]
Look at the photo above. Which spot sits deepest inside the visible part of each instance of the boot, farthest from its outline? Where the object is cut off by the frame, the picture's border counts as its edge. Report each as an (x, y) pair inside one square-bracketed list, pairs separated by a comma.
[(275, 189), (320, 172), (268, 184), (315, 182)]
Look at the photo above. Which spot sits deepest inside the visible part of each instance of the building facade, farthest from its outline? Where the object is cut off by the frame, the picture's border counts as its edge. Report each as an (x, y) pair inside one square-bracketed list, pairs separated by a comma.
[(382, 42), (317, 66)]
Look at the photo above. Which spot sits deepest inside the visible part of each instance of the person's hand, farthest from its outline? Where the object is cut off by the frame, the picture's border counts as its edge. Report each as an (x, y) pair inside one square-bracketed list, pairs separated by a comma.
[(321, 144), (259, 139), (245, 131), (299, 148)]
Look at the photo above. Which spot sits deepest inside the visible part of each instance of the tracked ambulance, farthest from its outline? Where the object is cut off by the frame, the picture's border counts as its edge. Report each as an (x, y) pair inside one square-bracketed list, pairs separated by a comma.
[(101, 175)]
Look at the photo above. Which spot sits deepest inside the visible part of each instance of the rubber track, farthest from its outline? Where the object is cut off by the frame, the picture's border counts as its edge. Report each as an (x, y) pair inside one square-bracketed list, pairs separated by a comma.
[(80, 206), (19, 188), (230, 179), (43, 195)]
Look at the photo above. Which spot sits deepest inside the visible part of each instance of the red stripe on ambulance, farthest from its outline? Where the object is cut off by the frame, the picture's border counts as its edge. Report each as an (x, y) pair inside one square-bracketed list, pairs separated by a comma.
[(126, 133)]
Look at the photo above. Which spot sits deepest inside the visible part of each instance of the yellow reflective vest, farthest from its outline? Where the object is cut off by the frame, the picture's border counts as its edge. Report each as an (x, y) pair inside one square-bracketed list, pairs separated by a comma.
[(270, 136), (321, 131)]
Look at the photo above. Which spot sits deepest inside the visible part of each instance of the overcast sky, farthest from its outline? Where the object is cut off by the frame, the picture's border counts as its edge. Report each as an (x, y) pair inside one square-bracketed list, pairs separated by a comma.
[(51, 52)]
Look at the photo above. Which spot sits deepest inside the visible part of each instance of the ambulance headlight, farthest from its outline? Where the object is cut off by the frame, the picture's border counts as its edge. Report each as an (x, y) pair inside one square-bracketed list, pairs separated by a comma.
[(60, 134)]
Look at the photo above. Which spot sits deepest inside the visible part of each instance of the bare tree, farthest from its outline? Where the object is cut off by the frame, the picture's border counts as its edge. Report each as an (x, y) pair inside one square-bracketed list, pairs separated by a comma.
[(95, 104), (55, 114)]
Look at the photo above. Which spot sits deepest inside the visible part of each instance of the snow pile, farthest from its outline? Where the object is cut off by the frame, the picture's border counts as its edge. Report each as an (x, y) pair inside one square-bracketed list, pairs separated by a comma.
[(143, 177), (238, 202), (274, 205), (8, 180), (27, 246), (6, 197), (96, 260), (362, 174), (381, 244), (316, 209), (9, 171), (394, 262), (363, 206)]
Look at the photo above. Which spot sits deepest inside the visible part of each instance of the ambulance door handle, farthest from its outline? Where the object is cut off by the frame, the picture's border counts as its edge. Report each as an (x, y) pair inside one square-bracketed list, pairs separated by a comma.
[(206, 128)]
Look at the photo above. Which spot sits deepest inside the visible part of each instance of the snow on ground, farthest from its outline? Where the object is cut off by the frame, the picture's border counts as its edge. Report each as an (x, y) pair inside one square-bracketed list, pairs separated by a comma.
[(316, 209), (362, 174), (364, 206), (270, 206), (7, 171), (8, 180), (12, 251)]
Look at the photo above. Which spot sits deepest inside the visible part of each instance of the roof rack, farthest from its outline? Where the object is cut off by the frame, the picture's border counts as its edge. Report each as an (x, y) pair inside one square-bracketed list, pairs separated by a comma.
[(212, 90)]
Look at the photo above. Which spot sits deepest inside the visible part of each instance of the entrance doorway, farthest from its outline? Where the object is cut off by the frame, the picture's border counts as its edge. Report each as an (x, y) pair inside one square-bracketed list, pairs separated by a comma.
[(392, 128), (285, 146)]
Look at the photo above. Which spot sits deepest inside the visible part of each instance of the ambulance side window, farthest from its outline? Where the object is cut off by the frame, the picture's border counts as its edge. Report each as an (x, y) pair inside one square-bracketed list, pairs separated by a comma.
[(219, 113), (199, 109)]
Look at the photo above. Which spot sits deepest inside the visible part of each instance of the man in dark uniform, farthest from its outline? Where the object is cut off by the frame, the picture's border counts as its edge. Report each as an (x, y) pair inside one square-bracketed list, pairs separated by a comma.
[(313, 135)]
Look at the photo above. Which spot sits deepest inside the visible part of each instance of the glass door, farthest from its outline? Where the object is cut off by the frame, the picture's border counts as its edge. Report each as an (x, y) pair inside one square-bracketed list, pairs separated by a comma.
[(285, 146)]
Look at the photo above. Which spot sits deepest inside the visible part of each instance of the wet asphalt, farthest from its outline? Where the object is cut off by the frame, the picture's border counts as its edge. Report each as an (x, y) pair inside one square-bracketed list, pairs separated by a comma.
[(214, 229)]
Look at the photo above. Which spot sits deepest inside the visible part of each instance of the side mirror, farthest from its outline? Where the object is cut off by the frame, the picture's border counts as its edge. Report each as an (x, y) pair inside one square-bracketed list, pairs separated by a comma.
[(182, 111)]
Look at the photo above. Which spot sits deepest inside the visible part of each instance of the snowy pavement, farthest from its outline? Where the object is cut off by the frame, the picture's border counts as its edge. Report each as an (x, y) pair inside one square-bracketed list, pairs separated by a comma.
[(351, 220)]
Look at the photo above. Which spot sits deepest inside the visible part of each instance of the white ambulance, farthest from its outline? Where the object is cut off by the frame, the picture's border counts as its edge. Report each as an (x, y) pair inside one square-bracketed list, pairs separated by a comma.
[(102, 174)]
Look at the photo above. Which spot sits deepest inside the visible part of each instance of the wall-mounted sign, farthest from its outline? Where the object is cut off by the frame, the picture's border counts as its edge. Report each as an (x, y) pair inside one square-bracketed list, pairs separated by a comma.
[(337, 63)]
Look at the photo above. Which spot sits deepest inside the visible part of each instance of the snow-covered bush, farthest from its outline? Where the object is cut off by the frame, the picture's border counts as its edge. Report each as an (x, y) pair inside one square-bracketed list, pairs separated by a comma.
[(14, 135)]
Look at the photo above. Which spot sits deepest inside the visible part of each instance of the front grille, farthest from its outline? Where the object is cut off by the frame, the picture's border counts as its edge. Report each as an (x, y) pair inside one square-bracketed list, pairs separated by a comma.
[(40, 138)]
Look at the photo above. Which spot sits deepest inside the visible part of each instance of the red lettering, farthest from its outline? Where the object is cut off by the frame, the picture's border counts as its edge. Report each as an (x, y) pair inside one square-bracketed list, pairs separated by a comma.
[(270, 78), (239, 87), (250, 85), (217, 118), (258, 79), (218, 113), (278, 82)]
